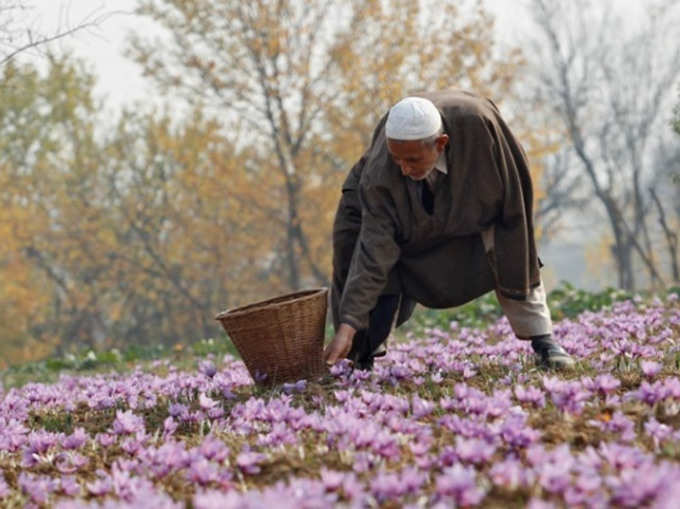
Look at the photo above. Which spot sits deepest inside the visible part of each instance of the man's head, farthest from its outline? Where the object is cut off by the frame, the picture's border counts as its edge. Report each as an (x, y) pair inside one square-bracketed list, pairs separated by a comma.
[(415, 136)]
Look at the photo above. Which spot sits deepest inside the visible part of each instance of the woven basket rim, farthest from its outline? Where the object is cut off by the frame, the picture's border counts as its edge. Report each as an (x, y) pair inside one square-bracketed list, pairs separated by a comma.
[(272, 302)]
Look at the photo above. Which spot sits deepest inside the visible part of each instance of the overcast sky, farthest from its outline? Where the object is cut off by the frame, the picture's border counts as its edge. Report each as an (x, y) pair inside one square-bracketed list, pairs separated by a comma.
[(119, 78)]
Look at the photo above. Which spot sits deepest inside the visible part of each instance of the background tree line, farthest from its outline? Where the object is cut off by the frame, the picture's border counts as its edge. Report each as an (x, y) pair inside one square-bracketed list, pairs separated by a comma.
[(137, 229)]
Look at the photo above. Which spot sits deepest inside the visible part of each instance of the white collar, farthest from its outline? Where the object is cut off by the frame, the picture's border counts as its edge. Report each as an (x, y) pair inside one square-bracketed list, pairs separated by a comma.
[(441, 163)]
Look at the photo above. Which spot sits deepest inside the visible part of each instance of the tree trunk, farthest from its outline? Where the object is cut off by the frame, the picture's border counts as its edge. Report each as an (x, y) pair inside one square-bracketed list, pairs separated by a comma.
[(670, 235)]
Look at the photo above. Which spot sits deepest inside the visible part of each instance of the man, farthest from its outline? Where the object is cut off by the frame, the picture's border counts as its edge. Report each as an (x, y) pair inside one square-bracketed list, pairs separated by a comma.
[(438, 211)]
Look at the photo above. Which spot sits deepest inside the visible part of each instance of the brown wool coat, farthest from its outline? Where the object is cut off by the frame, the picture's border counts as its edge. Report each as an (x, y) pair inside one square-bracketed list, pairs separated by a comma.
[(386, 243)]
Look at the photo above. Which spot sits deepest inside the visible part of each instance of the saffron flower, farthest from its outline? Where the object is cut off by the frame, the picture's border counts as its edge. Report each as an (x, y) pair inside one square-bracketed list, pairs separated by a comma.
[(70, 462), (207, 367), (75, 440), (249, 462), (650, 368), (127, 423), (460, 484)]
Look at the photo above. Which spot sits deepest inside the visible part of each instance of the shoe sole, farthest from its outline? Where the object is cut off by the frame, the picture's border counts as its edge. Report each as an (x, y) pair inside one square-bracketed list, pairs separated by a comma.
[(559, 363)]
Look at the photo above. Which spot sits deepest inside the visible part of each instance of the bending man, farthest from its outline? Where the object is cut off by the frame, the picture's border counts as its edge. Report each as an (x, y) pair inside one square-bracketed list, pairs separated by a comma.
[(438, 211)]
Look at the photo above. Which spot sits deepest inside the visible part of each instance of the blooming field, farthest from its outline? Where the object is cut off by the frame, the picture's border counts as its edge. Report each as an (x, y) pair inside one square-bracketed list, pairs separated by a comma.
[(460, 417)]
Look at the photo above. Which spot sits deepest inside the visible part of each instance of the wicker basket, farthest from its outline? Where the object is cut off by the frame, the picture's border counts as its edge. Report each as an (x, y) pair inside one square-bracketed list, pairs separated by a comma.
[(280, 339)]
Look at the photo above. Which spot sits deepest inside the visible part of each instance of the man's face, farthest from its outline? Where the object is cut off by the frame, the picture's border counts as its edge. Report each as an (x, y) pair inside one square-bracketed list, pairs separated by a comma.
[(415, 158)]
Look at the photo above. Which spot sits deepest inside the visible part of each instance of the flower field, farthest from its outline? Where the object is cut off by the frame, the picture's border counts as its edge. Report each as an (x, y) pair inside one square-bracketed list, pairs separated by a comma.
[(459, 417)]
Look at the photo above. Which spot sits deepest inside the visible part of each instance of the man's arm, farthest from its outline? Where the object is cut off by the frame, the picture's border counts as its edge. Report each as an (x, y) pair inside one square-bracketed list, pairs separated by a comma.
[(374, 257)]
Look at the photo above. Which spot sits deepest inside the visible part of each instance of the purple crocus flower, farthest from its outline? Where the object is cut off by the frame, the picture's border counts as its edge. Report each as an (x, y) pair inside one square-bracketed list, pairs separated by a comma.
[(218, 500), (178, 410), (421, 445), (386, 486), (38, 488), (340, 368), (202, 472), (617, 423), (537, 503), (363, 461), (207, 367), (650, 393), (460, 483), (516, 433), (568, 396), (105, 439), (131, 446), (70, 462), (249, 462), (511, 474), (412, 479), (213, 449), (40, 441), (331, 479), (75, 440), (530, 394), (169, 427), (353, 489), (421, 407), (69, 486), (658, 431), (650, 368), (206, 403), (606, 383), (554, 477), (127, 423), (12, 434), (474, 450), (298, 386)]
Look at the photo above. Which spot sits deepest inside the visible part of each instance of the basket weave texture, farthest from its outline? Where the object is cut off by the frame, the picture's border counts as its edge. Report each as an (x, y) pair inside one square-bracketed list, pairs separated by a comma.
[(280, 339)]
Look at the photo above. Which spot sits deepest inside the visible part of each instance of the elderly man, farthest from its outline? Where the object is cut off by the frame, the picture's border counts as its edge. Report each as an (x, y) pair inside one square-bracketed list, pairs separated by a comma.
[(438, 211)]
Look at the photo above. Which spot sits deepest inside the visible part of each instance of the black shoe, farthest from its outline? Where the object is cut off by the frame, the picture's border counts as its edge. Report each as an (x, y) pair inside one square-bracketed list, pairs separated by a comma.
[(366, 363), (359, 354), (552, 355)]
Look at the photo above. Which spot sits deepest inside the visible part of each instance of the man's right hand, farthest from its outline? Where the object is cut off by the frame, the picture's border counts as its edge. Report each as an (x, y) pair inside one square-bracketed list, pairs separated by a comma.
[(341, 344)]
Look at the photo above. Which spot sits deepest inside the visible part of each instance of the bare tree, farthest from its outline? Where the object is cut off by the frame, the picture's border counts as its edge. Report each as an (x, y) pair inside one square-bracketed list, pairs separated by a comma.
[(665, 193), (609, 85), (676, 117), (19, 31), (563, 191)]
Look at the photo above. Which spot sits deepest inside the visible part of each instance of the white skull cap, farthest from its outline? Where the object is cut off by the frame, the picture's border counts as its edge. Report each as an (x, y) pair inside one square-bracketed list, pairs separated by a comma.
[(413, 118)]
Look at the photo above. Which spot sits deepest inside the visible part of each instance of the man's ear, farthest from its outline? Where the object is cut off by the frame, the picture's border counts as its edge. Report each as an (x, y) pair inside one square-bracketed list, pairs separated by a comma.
[(441, 142)]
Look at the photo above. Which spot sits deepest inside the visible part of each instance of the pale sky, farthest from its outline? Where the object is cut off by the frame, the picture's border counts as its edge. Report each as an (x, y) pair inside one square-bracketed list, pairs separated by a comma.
[(119, 79), (102, 47)]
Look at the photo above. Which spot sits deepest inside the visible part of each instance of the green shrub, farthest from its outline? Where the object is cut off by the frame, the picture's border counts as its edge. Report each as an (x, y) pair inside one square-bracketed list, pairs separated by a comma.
[(477, 313), (214, 346), (566, 301)]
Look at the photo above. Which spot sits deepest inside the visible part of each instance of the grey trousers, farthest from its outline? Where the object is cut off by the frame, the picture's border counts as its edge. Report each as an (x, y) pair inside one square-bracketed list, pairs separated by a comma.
[(530, 317)]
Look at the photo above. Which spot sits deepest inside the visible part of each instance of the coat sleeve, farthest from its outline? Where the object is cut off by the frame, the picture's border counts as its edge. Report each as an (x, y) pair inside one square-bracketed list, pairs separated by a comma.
[(375, 255), (515, 249), (346, 228)]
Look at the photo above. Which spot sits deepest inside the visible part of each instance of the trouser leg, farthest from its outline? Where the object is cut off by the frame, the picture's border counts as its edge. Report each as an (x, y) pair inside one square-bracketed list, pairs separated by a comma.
[(528, 318), (368, 341)]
